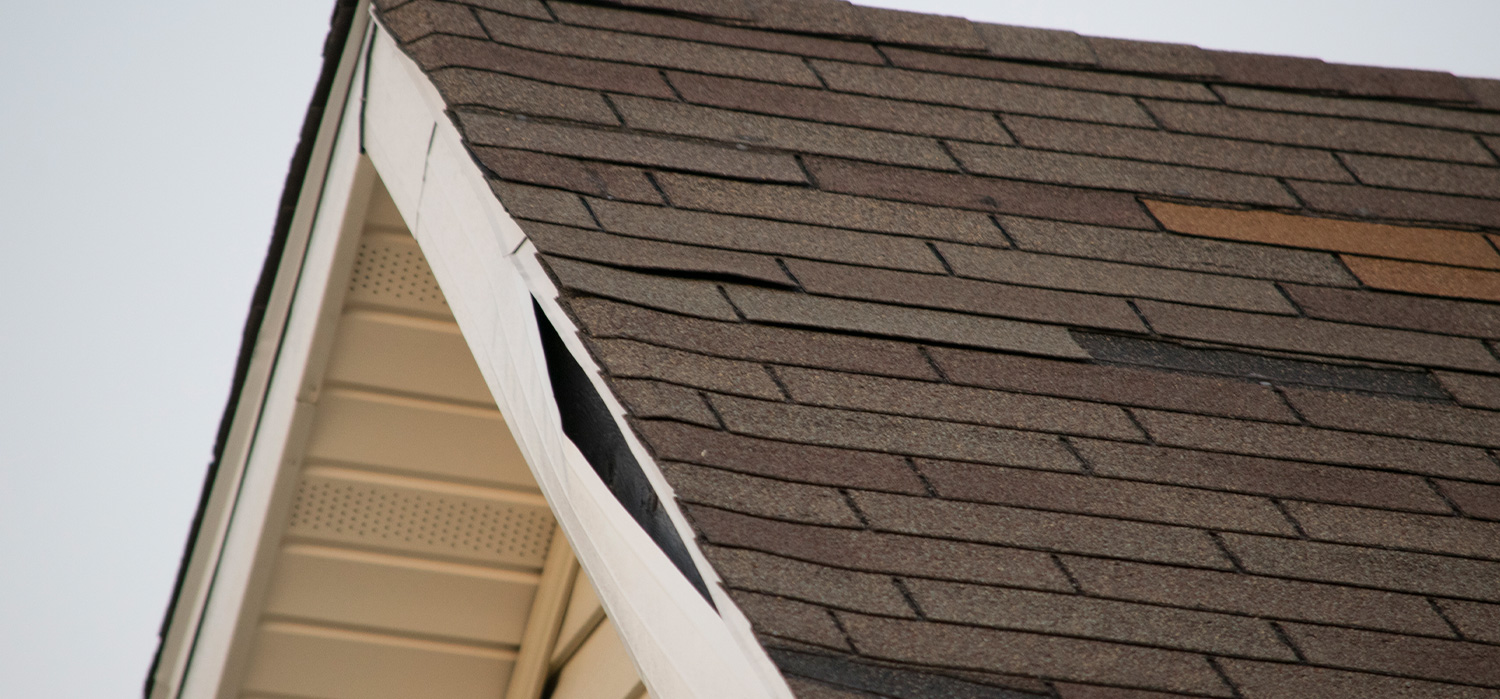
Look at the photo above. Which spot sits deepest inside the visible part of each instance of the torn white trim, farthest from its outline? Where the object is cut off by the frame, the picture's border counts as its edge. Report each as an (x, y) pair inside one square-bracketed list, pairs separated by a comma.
[(682, 647)]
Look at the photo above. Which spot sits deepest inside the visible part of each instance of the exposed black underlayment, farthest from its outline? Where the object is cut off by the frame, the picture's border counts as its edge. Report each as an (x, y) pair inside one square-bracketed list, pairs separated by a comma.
[(586, 421), (884, 680), (1129, 350)]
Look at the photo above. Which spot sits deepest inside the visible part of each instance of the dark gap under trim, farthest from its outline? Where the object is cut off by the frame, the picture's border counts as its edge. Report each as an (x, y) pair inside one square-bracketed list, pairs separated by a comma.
[(886, 680), (586, 421), (1255, 367)]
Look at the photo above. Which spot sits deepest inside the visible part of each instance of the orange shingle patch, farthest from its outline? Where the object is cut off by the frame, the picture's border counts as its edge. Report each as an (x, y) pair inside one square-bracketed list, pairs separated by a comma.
[(1418, 278), (1420, 244)]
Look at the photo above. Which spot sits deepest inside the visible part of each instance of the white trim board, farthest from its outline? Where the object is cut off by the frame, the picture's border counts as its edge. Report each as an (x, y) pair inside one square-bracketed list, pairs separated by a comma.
[(682, 647)]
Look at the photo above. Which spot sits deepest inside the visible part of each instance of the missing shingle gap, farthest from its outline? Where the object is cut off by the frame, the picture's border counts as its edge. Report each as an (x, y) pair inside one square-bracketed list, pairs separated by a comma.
[(1234, 691), (943, 260), (1239, 567), (1068, 574), (922, 350), (1438, 610), (1286, 638), (1296, 526), (771, 371), (858, 513), (926, 484), (911, 601)]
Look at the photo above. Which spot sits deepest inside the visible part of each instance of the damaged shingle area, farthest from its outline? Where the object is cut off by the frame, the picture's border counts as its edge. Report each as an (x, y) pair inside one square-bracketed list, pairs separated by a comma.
[(1002, 362)]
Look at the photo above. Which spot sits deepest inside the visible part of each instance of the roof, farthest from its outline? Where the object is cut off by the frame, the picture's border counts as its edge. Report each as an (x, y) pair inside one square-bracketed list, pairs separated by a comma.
[(993, 361)]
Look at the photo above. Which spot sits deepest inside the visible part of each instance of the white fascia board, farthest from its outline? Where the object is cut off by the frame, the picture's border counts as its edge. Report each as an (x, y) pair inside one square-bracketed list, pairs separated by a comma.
[(683, 648), (193, 644)]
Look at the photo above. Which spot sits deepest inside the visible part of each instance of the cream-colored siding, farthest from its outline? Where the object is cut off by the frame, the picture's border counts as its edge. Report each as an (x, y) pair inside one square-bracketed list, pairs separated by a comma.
[(590, 661)]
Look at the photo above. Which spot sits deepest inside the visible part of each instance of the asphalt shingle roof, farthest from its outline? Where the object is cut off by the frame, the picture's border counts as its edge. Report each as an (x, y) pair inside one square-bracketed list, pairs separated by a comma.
[(997, 362)]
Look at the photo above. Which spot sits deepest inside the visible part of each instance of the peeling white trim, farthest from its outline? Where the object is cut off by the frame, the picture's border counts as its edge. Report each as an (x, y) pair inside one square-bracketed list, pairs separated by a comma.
[(682, 647)]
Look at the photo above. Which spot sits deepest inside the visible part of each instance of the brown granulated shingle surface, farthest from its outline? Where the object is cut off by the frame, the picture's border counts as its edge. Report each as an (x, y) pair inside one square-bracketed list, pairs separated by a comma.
[(1010, 362)]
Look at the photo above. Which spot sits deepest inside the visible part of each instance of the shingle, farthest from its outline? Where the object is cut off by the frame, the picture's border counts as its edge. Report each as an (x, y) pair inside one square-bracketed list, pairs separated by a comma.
[(1257, 367), (902, 681), (1376, 110), (787, 308), (1401, 571), (1357, 200), (779, 460), (916, 29), (1312, 444), (646, 50), (1427, 244), (1485, 91), (687, 296), (1419, 278), (1113, 384), (1399, 311), (634, 253), (624, 147), (631, 359), (1069, 690), (786, 618), (956, 403), (760, 235), (694, 30), (764, 497), (1255, 595), (989, 95), (1045, 75), (584, 176), (877, 552), (1031, 44), (838, 108), (1050, 531), (1399, 530), (776, 132), (538, 204), (1405, 418), (468, 87), (1106, 620), (1318, 131), (1112, 173), (1181, 149), (443, 51), (523, 8), (1472, 390), (1176, 251), (1017, 267), (1430, 658), (417, 19), (1406, 83), (1091, 495), (736, 10), (845, 589), (1477, 621), (809, 206), (653, 399), (1033, 654), (808, 689), (892, 434), (1427, 176), (1151, 57), (1473, 499), (1260, 476), (1317, 337), (979, 193), (1274, 71), (952, 293), (758, 343), (832, 17), (1262, 680)]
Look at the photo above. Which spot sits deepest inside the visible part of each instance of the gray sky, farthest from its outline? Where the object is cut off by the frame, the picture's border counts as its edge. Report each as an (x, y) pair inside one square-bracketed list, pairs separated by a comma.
[(142, 151)]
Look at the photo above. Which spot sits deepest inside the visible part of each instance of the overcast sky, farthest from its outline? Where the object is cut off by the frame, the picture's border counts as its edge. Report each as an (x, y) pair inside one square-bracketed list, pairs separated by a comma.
[(142, 151)]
